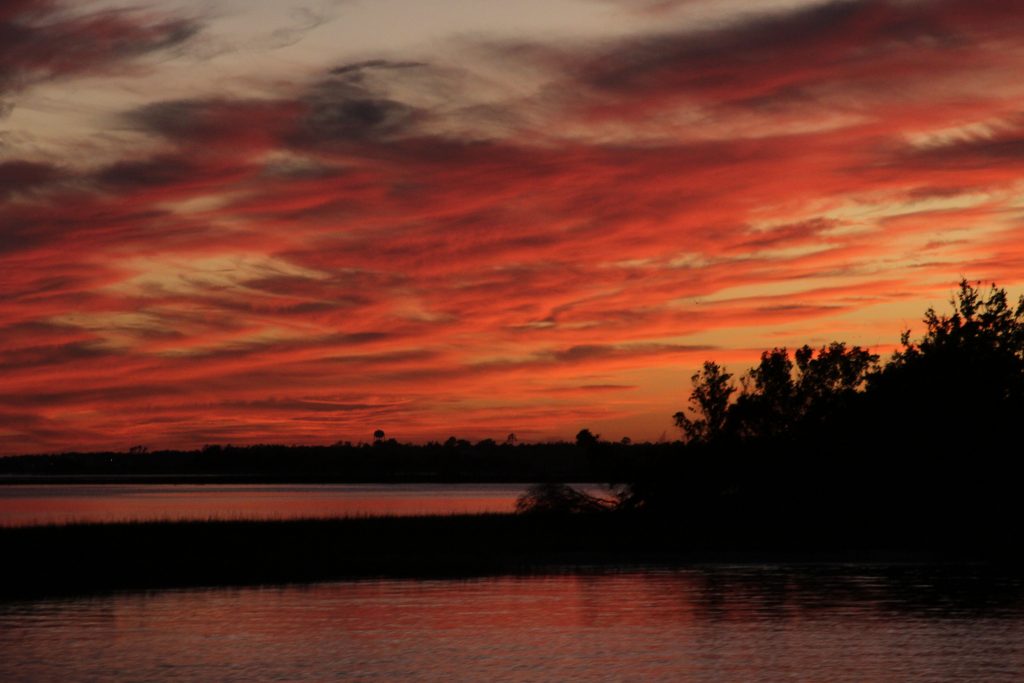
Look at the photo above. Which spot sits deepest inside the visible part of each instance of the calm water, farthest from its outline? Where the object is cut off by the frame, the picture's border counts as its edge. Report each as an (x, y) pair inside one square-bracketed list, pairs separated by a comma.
[(709, 624), (22, 505)]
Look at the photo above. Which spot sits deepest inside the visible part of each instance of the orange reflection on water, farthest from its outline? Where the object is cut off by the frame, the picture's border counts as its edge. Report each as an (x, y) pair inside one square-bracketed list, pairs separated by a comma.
[(713, 623)]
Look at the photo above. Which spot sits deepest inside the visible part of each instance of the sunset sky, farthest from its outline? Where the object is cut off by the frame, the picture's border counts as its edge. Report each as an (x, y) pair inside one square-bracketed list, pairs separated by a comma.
[(252, 221)]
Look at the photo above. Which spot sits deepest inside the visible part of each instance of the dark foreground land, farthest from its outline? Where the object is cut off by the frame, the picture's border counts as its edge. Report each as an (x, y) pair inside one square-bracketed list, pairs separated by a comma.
[(85, 558)]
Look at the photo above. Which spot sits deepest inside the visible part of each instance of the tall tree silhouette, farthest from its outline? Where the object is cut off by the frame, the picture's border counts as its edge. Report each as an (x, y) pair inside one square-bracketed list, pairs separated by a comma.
[(767, 405), (709, 401)]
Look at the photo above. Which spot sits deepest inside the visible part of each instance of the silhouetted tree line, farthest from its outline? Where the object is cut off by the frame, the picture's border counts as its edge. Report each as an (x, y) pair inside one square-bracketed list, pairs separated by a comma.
[(383, 460), (831, 441)]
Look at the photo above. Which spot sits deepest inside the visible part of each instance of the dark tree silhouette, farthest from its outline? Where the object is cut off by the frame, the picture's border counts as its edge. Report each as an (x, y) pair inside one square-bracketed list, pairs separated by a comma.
[(833, 371), (780, 396), (983, 338), (957, 391), (768, 400), (587, 439), (709, 402), (922, 445), (378, 436)]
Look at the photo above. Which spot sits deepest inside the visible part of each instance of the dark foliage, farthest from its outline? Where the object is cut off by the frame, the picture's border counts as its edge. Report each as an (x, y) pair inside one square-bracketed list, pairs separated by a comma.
[(710, 402), (924, 442)]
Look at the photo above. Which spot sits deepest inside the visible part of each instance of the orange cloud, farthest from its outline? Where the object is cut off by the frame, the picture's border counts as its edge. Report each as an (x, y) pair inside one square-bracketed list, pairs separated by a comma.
[(339, 256)]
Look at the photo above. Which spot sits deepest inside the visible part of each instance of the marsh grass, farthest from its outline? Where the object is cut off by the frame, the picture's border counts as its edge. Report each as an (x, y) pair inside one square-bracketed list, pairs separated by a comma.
[(139, 555), (70, 557)]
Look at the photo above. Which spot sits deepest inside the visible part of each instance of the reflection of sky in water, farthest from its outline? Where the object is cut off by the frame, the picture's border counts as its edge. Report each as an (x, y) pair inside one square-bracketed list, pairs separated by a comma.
[(708, 624), (21, 505)]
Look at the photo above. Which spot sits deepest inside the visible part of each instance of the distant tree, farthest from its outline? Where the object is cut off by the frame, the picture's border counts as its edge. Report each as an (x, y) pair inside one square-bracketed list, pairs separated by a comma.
[(378, 435), (626, 441), (709, 402), (585, 438), (511, 439)]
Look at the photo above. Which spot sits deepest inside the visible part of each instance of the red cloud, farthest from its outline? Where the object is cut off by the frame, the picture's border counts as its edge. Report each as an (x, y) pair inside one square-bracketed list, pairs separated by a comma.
[(310, 266)]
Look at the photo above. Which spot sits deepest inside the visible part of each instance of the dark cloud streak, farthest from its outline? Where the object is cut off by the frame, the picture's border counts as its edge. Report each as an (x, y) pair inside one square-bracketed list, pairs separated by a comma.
[(40, 41)]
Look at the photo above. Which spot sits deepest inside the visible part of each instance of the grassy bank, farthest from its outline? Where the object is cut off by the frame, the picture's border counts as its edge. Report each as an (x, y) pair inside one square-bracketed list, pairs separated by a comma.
[(95, 557), (81, 558)]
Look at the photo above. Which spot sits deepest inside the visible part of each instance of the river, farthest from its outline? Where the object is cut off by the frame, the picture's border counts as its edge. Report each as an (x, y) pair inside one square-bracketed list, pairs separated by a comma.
[(710, 623)]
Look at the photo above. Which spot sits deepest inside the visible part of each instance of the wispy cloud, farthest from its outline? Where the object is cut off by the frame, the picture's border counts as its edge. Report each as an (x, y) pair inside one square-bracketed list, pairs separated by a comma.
[(44, 40), (378, 244)]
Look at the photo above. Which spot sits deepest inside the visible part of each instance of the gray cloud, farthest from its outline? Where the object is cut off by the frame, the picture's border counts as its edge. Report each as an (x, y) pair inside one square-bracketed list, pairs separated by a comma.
[(18, 177), (39, 42)]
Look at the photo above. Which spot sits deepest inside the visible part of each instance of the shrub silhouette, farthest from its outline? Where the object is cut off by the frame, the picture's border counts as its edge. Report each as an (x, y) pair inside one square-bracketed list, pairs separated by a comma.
[(559, 499)]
